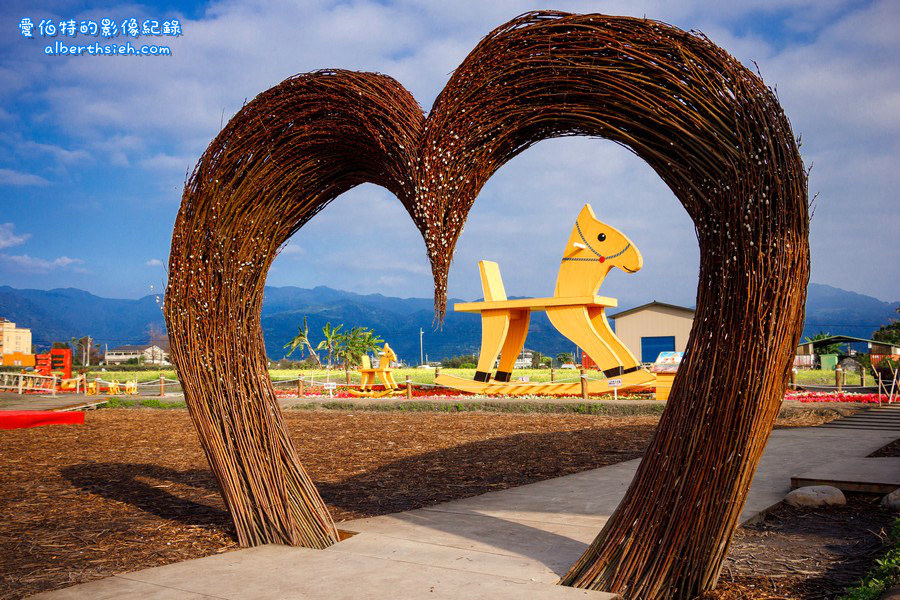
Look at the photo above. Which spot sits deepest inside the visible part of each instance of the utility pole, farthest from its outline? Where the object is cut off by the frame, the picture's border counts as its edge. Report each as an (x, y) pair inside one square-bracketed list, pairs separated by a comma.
[(421, 347)]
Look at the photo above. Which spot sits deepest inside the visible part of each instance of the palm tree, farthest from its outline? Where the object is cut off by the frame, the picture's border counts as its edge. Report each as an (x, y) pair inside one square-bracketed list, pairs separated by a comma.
[(301, 340), (351, 345), (370, 342), (331, 336)]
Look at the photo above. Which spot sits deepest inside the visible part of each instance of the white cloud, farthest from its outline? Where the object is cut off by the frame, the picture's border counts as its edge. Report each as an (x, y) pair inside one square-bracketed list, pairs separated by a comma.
[(166, 162), (59, 153), (30, 264), (838, 80), (8, 237), (154, 262), (17, 178)]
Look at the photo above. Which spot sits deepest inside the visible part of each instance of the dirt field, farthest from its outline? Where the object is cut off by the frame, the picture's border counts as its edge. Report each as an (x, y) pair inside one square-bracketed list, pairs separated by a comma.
[(805, 552), (131, 488)]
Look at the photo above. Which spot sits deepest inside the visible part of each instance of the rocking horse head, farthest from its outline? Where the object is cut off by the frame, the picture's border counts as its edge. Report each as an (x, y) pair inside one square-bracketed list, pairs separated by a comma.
[(592, 250), (388, 356)]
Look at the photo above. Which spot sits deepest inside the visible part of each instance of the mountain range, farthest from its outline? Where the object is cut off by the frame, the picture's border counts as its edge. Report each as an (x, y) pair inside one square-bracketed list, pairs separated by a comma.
[(60, 314)]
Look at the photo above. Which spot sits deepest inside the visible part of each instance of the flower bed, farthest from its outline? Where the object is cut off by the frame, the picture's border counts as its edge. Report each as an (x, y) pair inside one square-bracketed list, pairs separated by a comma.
[(835, 397)]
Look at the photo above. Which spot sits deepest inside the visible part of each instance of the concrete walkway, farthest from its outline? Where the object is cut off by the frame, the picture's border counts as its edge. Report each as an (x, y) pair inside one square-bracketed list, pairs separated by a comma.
[(10, 401), (514, 543)]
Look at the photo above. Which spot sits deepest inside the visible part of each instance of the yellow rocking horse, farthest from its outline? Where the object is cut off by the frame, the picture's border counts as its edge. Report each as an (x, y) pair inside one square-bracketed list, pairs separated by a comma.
[(575, 310), (383, 371)]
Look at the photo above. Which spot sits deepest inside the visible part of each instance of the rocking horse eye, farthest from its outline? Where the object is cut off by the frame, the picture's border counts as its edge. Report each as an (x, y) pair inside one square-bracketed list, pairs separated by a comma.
[(601, 237)]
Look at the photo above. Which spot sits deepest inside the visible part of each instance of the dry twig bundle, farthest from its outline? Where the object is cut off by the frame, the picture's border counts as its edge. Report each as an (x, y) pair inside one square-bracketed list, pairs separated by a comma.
[(709, 127)]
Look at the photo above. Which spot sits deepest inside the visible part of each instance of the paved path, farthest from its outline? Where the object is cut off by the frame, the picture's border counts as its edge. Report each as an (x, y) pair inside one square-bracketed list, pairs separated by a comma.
[(509, 544), (10, 401), (885, 417), (878, 475)]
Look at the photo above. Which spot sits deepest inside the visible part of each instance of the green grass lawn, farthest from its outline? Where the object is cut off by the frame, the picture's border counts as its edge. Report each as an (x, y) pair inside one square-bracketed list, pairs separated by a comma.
[(121, 376), (400, 375), (418, 375), (810, 377), (820, 377)]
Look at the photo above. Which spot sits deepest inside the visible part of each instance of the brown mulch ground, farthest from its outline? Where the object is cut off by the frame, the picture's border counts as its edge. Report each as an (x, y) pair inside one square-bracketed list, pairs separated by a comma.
[(805, 553), (892, 449), (131, 489)]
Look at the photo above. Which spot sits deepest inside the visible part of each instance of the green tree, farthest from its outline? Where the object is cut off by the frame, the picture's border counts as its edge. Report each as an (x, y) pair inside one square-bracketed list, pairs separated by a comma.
[(536, 359), (302, 341), (370, 342), (328, 344), (565, 357), (457, 362), (890, 333), (350, 346)]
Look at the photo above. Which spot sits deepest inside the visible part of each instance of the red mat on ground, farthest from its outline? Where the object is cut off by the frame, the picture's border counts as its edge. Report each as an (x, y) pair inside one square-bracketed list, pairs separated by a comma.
[(20, 419)]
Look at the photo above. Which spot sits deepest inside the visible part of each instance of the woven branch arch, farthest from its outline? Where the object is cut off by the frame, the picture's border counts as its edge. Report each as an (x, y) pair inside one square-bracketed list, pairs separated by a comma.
[(709, 127)]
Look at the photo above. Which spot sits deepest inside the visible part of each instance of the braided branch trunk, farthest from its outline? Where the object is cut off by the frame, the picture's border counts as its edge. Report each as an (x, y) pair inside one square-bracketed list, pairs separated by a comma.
[(710, 129)]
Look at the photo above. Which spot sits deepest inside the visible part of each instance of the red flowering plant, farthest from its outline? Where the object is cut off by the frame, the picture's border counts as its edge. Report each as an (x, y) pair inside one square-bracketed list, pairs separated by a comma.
[(803, 396)]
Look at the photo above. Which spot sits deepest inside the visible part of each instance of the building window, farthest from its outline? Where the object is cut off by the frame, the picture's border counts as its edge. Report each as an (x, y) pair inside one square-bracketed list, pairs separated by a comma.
[(651, 346)]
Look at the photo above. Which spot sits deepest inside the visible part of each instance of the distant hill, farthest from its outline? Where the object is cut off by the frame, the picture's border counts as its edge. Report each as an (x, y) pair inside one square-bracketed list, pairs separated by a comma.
[(64, 313), (61, 314), (839, 312)]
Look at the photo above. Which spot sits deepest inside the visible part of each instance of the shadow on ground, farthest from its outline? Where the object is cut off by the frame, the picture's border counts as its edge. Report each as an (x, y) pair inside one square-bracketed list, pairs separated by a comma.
[(412, 482)]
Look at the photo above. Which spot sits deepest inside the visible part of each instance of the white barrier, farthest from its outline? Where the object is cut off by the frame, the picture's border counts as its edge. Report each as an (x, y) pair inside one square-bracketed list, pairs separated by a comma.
[(23, 383)]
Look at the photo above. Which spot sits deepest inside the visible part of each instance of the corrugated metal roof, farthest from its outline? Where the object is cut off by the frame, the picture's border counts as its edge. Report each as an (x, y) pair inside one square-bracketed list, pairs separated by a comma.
[(648, 305)]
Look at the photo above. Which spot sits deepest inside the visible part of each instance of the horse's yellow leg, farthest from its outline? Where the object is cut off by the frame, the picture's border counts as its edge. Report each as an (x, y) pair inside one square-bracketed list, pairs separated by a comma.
[(389, 380), (515, 341), (601, 324), (368, 379), (574, 323), (494, 327)]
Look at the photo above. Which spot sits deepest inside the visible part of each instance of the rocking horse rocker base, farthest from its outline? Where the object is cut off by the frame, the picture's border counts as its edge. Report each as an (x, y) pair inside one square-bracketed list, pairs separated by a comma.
[(575, 310), (640, 378), (382, 371)]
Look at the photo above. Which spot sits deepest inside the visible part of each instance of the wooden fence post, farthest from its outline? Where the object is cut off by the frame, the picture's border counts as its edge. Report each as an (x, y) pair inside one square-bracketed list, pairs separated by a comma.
[(21, 383), (162, 386), (552, 374), (793, 378), (53, 386), (408, 388), (299, 386), (839, 377), (584, 385), (347, 373), (862, 375)]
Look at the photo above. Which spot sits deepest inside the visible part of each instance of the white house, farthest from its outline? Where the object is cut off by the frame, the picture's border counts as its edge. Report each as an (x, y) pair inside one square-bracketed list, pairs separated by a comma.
[(148, 354)]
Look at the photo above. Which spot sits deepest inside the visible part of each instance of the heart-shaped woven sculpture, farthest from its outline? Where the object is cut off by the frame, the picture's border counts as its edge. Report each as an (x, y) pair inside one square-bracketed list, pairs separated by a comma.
[(711, 130)]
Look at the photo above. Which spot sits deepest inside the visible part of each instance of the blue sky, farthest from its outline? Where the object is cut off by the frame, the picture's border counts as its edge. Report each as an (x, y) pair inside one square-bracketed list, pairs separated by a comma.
[(94, 150)]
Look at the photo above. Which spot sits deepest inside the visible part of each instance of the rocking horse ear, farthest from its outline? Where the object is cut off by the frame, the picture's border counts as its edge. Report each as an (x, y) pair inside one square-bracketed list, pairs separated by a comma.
[(587, 212)]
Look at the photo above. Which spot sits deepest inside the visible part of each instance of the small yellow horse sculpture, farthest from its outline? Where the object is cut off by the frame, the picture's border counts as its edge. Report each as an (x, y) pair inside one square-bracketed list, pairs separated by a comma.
[(592, 250), (383, 371)]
